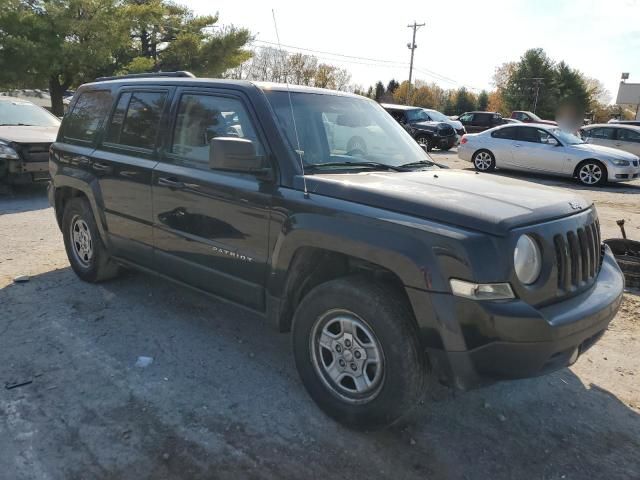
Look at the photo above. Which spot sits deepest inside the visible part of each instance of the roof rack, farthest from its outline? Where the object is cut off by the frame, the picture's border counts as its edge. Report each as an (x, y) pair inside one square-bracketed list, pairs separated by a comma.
[(181, 73)]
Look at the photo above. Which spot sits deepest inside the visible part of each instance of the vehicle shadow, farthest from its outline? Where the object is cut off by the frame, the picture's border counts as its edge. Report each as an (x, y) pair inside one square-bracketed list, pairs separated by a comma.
[(222, 398), (23, 198)]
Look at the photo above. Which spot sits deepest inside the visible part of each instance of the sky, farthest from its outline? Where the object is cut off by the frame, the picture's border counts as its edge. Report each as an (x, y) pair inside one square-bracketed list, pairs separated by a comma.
[(462, 42)]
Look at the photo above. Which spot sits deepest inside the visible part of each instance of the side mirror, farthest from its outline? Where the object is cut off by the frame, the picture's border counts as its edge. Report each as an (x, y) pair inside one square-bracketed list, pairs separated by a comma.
[(234, 154)]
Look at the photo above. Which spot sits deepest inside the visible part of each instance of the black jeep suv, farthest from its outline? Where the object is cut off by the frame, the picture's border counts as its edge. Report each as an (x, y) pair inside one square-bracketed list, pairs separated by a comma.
[(385, 267), (426, 132)]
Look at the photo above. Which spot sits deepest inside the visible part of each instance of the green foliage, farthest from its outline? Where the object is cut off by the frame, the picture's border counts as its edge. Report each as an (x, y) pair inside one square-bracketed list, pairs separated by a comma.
[(379, 92), (483, 100), (464, 101), (392, 86)]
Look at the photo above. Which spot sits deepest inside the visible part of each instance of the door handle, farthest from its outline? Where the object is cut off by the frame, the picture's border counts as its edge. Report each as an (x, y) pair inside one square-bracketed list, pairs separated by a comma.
[(101, 167), (171, 183), (517, 145)]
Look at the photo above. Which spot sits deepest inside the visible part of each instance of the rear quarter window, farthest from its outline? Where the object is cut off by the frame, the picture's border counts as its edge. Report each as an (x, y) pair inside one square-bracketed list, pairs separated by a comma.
[(88, 113)]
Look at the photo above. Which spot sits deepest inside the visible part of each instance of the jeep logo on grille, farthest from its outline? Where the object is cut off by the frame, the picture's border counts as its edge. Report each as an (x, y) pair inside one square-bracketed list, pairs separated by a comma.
[(575, 205)]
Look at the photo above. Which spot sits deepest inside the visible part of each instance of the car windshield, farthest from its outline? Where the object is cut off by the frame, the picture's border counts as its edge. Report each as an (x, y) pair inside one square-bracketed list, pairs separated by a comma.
[(333, 131), (18, 112), (533, 116), (437, 116), (417, 115), (566, 138)]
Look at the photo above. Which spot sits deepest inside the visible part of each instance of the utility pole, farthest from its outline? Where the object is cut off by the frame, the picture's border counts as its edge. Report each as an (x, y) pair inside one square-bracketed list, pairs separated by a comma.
[(412, 46), (537, 82)]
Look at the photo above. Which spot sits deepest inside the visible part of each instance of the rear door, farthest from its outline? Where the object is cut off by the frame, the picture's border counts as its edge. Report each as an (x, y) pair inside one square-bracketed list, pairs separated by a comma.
[(502, 145), (123, 164), (211, 226), (628, 139), (605, 136), (481, 121)]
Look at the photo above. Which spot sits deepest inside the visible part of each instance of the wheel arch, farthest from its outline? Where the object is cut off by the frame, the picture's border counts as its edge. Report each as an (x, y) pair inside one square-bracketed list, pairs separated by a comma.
[(582, 162)]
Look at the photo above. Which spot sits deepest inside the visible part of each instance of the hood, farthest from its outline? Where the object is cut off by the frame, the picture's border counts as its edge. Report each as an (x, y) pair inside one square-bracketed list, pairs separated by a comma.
[(455, 124), (483, 202), (430, 125), (605, 152), (19, 134)]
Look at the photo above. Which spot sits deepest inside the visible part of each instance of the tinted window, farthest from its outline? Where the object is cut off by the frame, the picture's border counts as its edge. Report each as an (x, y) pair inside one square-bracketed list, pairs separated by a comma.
[(482, 118), (602, 133), (627, 135), (530, 134), (88, 113), (203, 117), (466, 118), (139, 127), (509, 133)]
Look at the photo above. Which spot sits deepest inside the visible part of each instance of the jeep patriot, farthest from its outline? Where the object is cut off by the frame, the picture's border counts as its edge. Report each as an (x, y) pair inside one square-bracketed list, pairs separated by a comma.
[(387, 268)]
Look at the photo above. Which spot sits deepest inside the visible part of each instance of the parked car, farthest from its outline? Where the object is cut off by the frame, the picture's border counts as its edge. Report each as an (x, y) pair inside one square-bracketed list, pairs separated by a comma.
[(622, 136), (436, 116), (26, 132), (386, 268), (547, 149), (428, 133), (510, 121), (475, 122), (635, 123), (530, 117)]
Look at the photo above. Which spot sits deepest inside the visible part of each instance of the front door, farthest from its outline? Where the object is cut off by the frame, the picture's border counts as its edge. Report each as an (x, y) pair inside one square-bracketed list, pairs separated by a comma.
[(532, 151), (210, 226)]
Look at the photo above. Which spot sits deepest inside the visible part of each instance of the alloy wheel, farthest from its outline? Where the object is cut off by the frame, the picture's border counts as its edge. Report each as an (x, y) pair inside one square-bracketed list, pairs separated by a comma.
[(82, 243), (590, 174), (347, 356), (483, 161)]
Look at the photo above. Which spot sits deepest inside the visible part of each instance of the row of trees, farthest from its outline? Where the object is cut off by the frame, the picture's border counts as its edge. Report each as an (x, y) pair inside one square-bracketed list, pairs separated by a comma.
[(273, 65), (58, 44)]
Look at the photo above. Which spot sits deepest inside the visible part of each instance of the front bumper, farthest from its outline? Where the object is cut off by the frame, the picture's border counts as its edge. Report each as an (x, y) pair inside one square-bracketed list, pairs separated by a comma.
[(623, 174), (483, 342), (18, 171), (445, 142)]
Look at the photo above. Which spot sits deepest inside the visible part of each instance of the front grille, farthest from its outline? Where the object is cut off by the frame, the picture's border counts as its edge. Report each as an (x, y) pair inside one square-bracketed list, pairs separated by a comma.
[(34, 152), (446, 131), (460, 131), (578, 257)]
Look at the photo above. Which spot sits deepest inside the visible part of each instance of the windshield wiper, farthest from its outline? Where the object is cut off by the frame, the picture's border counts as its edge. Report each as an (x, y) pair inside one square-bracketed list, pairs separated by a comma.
[(373, 165), (16, 125), (420, 163)]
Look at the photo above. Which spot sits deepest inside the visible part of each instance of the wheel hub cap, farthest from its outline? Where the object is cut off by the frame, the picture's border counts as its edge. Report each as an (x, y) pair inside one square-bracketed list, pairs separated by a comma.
[(590, 174), (347, 356), (82, 242)]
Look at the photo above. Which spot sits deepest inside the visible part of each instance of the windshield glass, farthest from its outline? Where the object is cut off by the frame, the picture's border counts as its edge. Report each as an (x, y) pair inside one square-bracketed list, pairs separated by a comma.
[(334, 129), (417, 115), (17, 112), (437, 116), (566, 138)]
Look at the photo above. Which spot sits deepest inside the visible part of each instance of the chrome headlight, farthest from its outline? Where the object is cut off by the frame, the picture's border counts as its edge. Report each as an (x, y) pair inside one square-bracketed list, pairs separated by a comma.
[(527, 260), (621, 163), (7, 152)]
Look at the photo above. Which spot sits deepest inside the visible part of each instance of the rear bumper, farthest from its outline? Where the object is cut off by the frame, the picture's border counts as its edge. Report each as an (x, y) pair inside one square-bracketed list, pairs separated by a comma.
[(514, 340)]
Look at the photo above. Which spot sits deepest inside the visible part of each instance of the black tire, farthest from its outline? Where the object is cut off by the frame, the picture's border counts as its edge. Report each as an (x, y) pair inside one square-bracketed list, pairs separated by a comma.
[(426, 141), (444, 149), (484, 161), (591, 173), (94, 265), (397, 382)]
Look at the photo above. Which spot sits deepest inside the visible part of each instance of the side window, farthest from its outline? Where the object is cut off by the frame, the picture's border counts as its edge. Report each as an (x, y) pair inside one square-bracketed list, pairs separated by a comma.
[(135, 121), (88, 113), (544, 136), (509, 133), (604, 133), (519, 116), (466, 118), (628, 135), (203, 117), (482, 118), (529, 134)]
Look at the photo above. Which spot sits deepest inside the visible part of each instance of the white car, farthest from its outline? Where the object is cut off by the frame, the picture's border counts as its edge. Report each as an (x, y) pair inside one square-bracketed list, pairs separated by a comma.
[(623, 137), (546, 149)]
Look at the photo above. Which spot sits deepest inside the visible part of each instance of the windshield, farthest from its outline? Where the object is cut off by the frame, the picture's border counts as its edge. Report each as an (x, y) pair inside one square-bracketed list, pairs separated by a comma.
[(18, 112), (437, 116), (566, 138), (335, 130), (417, 115), (534, 117)]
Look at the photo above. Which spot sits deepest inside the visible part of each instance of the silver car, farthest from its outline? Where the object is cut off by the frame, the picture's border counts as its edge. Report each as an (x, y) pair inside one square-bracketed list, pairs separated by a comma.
[(623, 137), (546, 149)]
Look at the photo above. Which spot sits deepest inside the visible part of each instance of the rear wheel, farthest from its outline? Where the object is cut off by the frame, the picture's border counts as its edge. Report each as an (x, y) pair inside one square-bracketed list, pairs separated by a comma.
[(425, 142), (484, 161), (591, 173), (86, 252), (357, 351)]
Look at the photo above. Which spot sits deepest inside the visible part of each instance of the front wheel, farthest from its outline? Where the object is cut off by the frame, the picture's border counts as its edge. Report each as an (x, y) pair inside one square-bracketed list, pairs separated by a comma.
[(592, 173), (424, 142), (484, 161), (357, 352)]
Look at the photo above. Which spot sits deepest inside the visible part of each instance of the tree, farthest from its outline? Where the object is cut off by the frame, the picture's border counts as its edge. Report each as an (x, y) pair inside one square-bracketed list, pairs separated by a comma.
[(392, 86), (531, 84), (483, 100), (572, 96), (464, 101), (496, 103), (59, 43), (379, 91)]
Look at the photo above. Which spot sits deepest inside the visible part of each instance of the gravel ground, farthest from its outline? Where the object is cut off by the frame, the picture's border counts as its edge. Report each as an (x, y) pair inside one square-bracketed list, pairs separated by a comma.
[(222, 398)]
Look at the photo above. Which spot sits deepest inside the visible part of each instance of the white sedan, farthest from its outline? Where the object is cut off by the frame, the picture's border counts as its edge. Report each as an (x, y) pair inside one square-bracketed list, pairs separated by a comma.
[(546, 149)]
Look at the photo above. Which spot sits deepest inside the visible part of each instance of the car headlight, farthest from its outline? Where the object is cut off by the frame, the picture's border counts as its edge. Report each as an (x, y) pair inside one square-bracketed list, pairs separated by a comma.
[(527, 260), (7, 152), (621, 163)]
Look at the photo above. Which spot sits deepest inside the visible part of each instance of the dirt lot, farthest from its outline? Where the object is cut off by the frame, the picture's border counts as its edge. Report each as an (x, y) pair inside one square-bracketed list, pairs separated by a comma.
[(222, 398)]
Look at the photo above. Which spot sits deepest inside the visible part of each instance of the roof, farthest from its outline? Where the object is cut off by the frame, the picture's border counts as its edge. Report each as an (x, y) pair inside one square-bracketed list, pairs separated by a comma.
[(399, 107), (167, 80), (613, 125)]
